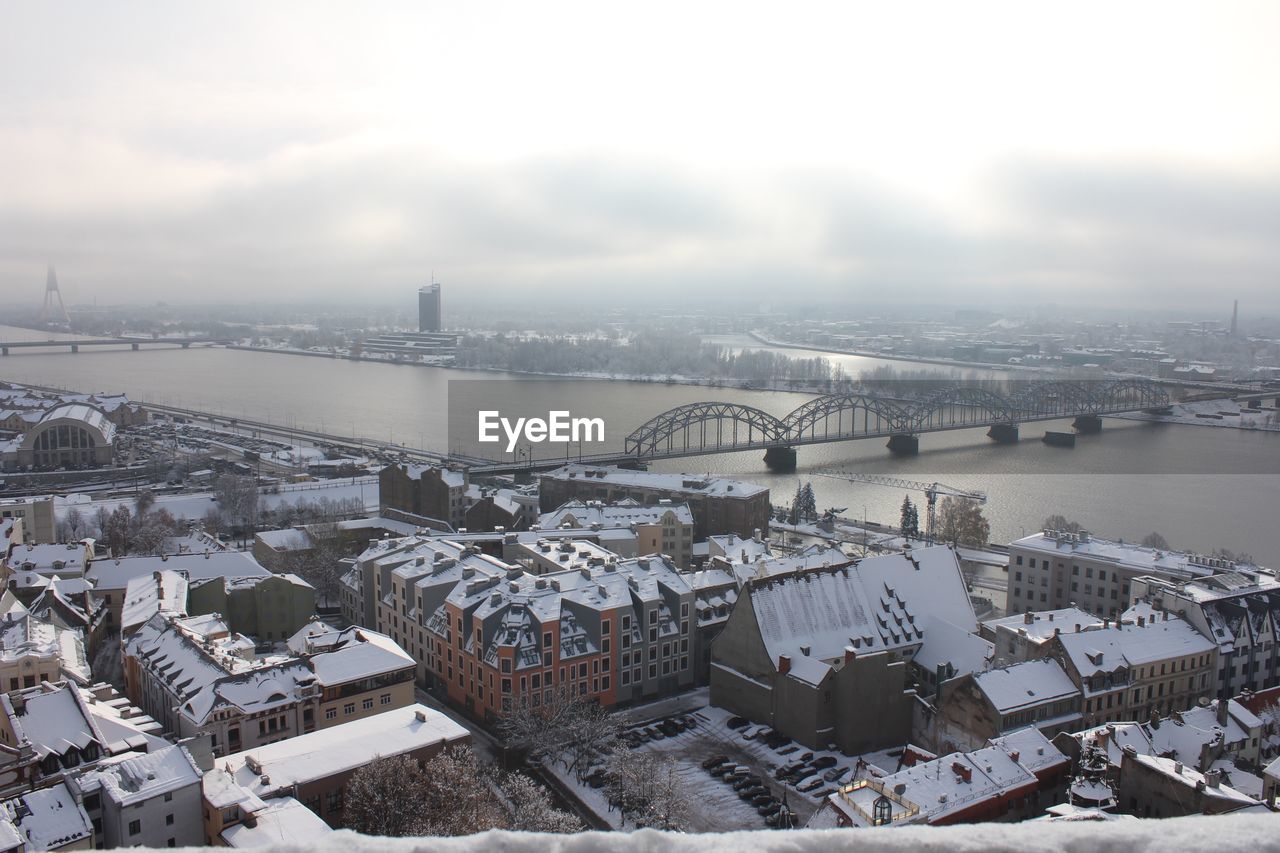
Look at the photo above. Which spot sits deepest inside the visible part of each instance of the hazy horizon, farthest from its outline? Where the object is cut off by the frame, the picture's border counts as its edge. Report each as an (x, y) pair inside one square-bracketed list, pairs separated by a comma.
[(990, 153)]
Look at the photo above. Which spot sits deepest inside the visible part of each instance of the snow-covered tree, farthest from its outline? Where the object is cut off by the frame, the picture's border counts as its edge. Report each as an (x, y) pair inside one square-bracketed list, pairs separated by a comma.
[(563, 725), (385, 797), (648, 789), (530, 808)]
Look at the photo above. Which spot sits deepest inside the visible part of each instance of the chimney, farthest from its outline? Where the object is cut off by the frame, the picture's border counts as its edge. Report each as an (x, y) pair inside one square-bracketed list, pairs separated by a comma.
[(804, 650), (1142, 620), (1028, 618), (1212, 778), (784, 664), (1223, 709), (849, 654)]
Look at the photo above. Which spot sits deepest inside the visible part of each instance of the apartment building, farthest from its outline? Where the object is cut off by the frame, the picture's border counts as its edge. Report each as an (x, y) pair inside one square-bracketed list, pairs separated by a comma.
[(1238, 612), (718, 505), (196, 676), (1055, 569), (662, 528), (1129, 670), (975, 707), (823, 655), (145, 799), (424, 490), (615, 632), (35, 514), (1025, 636)]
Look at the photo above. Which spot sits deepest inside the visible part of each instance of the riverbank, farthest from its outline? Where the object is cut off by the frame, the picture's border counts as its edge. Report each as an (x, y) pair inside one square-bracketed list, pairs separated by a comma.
[(913, 359), (648, 379)]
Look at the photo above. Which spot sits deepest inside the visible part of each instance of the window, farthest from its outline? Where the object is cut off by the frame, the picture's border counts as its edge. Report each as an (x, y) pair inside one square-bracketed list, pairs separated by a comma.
[(330, 713), (135, 827), (1019, 558), (168, 798), (367, 704), (349, 708), (168, 820)]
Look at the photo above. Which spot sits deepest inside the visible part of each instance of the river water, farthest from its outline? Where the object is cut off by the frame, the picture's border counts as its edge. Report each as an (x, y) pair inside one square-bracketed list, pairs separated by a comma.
[(1200, 487)]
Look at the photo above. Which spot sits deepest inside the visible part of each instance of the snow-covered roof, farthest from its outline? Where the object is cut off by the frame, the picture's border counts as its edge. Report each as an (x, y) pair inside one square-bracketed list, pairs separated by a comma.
[(674, 483), (1030, 746), (1103, 650), (116, 573), (1025, 685), (90, 416), (135, 777), (356, 653), (281, 822), (1129, 555), (63, 559), (1194, 779), (944, 643), (884, 602), (1043, 623), (621, 514), (163, 592), (47, 819), (53, 717), (340, 749)]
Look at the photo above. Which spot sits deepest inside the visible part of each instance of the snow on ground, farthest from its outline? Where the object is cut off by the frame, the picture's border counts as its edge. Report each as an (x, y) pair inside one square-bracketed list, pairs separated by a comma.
[(1211, 834), (196, 505), (716, 807), (1215, 413)]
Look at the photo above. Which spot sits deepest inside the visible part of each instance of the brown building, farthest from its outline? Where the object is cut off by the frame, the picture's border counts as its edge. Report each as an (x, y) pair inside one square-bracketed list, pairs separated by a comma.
[(424, 490), (719, 506)]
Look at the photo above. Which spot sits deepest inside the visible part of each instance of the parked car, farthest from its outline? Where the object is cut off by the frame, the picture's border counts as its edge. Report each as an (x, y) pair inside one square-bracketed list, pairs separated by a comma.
[(746, 782), (788, 750), (714, 761), (760, 799), (834, 774), (824, 762), (752, 792), (655, 733), (770, 808), (722, 771), (670, 728), (691, 721), (736, 723), (808, 756), (810, 784)]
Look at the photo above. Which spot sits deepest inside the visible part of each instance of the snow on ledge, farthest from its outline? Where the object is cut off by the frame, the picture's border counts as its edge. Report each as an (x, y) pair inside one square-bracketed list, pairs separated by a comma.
[(1219, 833)]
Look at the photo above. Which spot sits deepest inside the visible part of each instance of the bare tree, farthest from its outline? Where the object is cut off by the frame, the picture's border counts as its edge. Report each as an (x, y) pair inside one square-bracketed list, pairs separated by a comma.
[(961, 522), (1155, 540), (143, 502), (315, 557), (1061, 523), (238, 498), (117, 530)]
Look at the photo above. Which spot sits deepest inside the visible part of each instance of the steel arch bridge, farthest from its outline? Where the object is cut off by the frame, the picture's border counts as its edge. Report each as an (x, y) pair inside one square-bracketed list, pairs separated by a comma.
[(698, 428)]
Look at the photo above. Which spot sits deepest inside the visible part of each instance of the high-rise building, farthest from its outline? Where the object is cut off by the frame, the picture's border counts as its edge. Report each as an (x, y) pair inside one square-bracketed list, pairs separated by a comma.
[(429, 315)]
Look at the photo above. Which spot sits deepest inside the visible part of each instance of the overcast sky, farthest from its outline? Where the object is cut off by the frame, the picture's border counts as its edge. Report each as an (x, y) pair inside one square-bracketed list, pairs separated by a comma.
[(1089, 152)]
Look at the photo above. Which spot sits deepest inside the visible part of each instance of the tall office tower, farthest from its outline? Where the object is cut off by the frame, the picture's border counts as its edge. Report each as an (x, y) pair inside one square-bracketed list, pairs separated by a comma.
[(50, 314), (429, 315), (1235, 316)]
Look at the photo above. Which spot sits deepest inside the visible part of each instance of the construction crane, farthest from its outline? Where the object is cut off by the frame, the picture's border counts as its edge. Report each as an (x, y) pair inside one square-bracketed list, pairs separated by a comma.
[(931, 491)]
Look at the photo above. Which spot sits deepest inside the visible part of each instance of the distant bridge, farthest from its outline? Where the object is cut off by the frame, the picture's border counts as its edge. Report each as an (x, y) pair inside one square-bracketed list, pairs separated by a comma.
[(697, 429), (135, 343)]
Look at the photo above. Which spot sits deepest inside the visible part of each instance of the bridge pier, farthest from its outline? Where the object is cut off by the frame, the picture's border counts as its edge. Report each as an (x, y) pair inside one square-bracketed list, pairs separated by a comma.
[(134, 346), (1004, 433), (186, 345), (1087, 424), (904, 444), (75, 348), (780, 460), (5, 350)]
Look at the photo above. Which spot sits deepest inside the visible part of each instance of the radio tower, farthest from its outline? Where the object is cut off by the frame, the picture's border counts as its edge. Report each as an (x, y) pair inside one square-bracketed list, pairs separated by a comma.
[(47, 314)]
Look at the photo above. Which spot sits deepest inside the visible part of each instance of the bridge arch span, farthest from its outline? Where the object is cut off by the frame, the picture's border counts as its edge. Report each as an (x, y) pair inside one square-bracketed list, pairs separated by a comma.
[(879, 416), (715, 427)]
